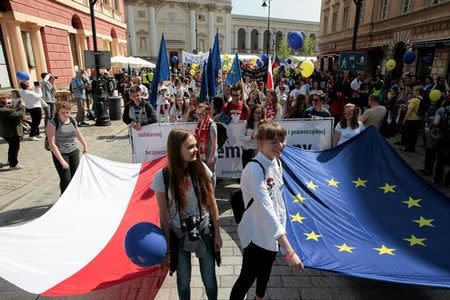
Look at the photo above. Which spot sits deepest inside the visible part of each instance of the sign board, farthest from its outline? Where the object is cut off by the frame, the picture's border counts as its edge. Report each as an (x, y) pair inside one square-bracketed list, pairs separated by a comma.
[(104, 59), (352, 61)]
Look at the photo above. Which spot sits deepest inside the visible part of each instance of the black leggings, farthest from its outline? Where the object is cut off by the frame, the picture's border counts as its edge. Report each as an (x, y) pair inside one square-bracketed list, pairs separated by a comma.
[(256, 264), (65, 176), (36, 116)]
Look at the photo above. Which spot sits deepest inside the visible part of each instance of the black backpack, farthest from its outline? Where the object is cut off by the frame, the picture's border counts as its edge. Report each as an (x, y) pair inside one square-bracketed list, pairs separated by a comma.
[(56, 121), (222, 135), (237, 200), (423, 107)]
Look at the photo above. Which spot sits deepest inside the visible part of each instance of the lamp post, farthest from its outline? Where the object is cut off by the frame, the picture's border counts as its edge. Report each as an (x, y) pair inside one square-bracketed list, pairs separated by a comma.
[(358, 4), (196, 33), (101, 111), (267, 4)]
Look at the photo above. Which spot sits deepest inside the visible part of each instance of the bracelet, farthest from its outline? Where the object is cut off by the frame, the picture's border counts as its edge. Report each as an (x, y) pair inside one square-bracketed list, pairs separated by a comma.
[(289, 256)]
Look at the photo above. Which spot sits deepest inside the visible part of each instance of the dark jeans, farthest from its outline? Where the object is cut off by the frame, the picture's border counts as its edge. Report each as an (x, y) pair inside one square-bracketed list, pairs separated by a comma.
[(65, 176), (411, 133), (207, 271), (256, 264), (247, 155), (13, 150), (36, 116), (442, 160)]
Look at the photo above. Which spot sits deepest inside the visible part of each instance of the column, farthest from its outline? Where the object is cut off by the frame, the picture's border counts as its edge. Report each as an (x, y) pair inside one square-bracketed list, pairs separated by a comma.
[(248, 35), (192, 23), (38, 47), (131, 28), (260, 40), (20, 58), (81, 46), (236, 39), (212, 31), (153, 37), (228, 37)]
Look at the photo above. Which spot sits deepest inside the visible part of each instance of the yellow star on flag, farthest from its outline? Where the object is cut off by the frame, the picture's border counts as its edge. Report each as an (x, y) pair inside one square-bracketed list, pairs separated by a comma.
[(311, 185), (385, 250), (424, 222), (312, 236), (416, 241), (345, 248), (333, 182), (359, 182), (297, 218), (412, 202), (299, 198), (388, 188)]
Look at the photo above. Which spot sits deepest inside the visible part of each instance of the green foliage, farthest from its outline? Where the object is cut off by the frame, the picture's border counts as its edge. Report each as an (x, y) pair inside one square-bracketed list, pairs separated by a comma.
[(284, 51), (308, 47)]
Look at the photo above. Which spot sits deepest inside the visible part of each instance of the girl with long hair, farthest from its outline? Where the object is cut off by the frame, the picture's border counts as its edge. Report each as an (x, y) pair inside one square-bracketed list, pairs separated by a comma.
[(248, 135), (296, 110), (188, 212), (272, 108), (349, 126), (178, 109), (262, 229)]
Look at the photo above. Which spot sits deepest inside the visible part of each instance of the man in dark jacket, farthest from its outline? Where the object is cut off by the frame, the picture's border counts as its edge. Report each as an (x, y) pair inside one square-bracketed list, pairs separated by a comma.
[(11, 130), (138, 112)]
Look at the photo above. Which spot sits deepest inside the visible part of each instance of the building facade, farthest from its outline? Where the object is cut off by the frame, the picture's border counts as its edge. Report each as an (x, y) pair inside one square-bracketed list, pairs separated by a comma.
[(191, 26), (51, 35), (386, 30)]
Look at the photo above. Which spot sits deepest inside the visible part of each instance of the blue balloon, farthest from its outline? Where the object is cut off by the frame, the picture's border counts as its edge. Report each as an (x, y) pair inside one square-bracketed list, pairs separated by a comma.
[(145, 244), (409, 57), (259, 63), (289, 61), (282, 67), (295, 40), (428, 60), (174, 59), (22, 76), (264, 58)]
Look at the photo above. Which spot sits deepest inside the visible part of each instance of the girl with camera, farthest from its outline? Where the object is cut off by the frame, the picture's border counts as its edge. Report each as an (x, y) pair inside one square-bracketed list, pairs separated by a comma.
[(262, 229), (188, 212)]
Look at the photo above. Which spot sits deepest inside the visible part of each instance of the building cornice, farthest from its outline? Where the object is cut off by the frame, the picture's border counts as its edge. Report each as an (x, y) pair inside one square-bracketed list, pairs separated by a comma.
[(246, 17)]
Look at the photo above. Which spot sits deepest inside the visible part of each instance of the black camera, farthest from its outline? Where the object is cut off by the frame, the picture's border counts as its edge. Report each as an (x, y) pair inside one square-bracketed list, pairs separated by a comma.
[(191, 226)]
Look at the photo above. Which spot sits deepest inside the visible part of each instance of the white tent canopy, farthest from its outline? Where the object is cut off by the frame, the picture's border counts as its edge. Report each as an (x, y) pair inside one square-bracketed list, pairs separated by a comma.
[(134, 62)]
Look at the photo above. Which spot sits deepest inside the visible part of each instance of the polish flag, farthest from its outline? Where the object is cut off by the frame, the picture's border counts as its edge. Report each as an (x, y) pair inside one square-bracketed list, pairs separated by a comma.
[(77, 247), (269, 84)]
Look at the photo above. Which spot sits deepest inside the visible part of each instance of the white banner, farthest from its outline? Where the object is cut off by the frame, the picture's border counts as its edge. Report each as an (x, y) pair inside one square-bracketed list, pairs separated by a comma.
[(190, 58), (150, 142)]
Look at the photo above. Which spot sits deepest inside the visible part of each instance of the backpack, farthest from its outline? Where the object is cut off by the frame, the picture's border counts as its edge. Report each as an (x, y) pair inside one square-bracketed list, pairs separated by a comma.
[(237, 200), (421, 112), (46, 144), (70, 86), (222, 135)]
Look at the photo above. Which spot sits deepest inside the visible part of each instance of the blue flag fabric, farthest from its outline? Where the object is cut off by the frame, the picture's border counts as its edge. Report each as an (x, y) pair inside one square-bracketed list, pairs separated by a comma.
[(214, 65), (359, 209), (234, 76), (204, 87), (162, 71)]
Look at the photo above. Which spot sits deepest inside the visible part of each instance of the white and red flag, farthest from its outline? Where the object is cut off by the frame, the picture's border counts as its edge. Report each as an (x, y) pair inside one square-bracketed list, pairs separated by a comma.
[(269, 84)]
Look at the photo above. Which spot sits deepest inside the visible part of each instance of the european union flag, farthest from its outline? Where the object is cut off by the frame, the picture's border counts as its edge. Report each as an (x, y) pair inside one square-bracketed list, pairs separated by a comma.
[(359, 209), (204, 87), (214, 65), (162, 71), (234, 76)]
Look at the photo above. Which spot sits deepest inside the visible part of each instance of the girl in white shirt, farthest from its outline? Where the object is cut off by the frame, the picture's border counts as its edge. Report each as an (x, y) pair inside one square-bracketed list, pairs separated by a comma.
[(263, 226), (349, 126), (34, 108), (248, 136)]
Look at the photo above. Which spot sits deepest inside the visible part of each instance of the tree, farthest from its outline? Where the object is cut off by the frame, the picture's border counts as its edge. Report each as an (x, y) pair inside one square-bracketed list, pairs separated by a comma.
[(308, 47), (284, 51)]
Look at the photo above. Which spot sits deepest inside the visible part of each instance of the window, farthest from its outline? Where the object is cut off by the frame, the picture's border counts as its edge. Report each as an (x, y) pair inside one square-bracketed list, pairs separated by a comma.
[(28, 49), (335, 22), (117, 5), (346, 17), (141, 14), (406, 6), (325, 25), (219, 20), (384, 9), (73, 50), (361, 13), (5, 80)]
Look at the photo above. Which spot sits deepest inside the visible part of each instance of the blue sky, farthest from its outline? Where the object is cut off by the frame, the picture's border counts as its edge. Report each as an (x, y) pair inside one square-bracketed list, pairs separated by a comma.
[(305, 10)]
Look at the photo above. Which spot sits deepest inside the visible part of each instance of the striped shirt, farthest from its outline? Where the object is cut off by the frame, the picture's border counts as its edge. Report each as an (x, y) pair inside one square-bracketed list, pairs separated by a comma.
[(65, 136)]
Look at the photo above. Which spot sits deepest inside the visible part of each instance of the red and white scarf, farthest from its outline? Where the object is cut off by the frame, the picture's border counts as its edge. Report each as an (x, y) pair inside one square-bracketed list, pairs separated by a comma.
[(201, 134), (270, 111)]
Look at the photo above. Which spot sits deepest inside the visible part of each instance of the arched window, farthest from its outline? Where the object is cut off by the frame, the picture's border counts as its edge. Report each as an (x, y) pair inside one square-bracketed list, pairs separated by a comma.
[(241, 39)]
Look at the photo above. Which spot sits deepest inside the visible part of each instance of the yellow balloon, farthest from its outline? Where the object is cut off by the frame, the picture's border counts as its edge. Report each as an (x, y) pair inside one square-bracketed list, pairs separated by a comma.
[(253, 60), (275, 71), (225, 68), (225, 57), (287, 73), (306, 68), (435, 95), (390, 65), (200, 53), (389, 95), (192, 72)]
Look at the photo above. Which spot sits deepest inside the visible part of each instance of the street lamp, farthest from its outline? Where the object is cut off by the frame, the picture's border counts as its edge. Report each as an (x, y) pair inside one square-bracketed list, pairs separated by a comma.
[(358, 4), (196, 33), (267, 4)]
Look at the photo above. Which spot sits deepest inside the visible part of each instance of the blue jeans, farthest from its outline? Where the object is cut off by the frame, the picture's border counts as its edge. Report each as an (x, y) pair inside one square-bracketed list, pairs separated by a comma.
[(207, 271)]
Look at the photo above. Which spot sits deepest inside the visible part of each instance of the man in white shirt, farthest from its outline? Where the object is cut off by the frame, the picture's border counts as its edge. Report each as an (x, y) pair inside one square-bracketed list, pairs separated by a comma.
[(356, 83), (281, 85)]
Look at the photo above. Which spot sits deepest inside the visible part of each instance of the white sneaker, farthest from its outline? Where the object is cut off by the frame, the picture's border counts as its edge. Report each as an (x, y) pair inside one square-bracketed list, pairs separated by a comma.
[(17, 167), (33, 138), (40, 136)]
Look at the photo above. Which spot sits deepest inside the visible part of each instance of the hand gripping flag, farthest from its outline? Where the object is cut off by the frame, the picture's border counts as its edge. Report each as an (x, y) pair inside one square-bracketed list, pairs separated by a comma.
[(359, 209), (162, 71), (234, 76), (77, 247)]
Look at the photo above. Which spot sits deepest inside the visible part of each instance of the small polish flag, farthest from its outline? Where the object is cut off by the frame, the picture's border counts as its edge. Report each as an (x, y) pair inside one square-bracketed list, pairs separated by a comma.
[(269, 84)]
